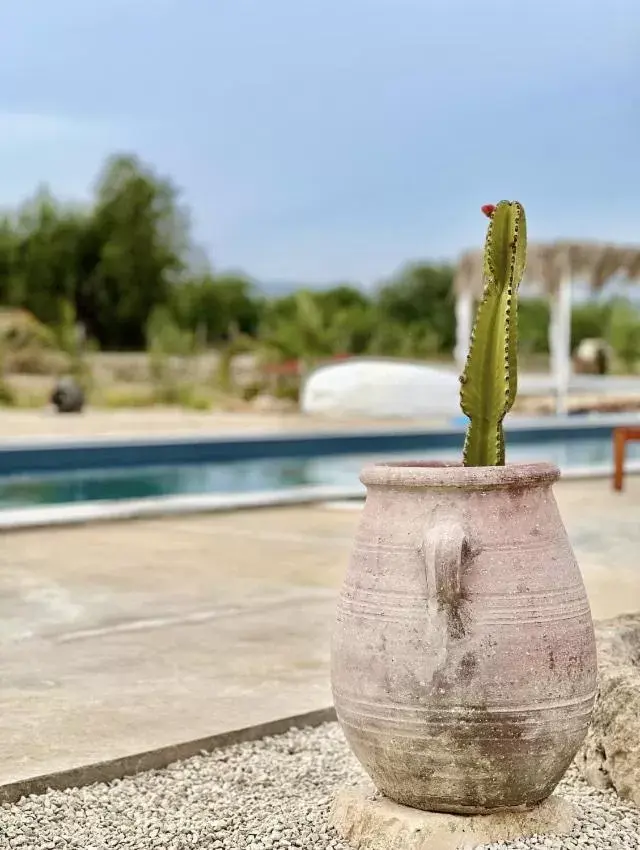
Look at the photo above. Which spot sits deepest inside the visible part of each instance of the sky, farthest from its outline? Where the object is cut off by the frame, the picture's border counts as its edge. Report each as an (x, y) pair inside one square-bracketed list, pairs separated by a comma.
[(334, 140)]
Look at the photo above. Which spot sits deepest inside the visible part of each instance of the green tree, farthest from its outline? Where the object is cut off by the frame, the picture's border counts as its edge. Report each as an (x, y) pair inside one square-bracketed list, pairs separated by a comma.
[(421, 299), (533, 325), (140, 237), (623, 332), (8, 261), (295, 328), (342, 297), (222, 305), (589, 321), (39, 255), (312, 325)]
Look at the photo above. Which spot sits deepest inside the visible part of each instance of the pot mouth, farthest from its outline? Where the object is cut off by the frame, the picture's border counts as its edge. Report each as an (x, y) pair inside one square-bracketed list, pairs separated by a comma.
[(438, 473)]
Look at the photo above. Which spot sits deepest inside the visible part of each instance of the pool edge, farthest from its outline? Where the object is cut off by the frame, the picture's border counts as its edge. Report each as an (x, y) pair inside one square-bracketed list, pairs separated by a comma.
[(122, 510), (14, 519), (50, 456)]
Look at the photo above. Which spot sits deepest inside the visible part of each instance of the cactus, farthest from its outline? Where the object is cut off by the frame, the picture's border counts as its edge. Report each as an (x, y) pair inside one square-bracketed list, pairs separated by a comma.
[(490, 378)]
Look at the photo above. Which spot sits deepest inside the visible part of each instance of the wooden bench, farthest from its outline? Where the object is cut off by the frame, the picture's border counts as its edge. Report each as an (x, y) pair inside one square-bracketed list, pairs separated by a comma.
[(621, 436)]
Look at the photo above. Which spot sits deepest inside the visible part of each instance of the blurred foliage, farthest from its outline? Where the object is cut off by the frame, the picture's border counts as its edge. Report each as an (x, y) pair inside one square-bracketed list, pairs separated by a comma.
[(533, 326), (171, 351), (623, 332), (221, 306), (418, 306), (6, 394), (122, 273), (113, 262), (589, 321), (28, 345)]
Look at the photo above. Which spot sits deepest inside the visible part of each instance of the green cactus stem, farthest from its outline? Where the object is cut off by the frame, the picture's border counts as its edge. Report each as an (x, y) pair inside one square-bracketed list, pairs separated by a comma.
[(490, 378)]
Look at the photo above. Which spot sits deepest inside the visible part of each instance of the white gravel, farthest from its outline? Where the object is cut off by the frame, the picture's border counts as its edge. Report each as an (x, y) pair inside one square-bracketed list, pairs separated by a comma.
[(272, 794)]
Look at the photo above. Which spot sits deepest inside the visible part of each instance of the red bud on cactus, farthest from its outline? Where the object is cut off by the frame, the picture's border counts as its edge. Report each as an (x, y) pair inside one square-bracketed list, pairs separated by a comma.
[(488, 209)]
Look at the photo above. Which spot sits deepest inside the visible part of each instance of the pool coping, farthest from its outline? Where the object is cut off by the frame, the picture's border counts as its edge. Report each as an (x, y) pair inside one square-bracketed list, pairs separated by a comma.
[(121, 510), (79, 513), (395, 428), (159, 757)]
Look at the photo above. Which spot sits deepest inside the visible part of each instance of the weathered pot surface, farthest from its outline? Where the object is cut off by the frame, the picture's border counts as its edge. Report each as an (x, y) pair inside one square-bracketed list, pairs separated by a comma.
[(463, 655)]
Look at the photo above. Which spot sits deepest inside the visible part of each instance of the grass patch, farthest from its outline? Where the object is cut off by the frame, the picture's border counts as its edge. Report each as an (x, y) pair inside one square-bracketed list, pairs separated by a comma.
[(116, 396), (188, 397)]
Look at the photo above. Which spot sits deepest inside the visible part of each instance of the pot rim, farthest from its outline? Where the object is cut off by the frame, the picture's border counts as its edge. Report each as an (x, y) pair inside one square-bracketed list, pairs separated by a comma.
[(438, 473)]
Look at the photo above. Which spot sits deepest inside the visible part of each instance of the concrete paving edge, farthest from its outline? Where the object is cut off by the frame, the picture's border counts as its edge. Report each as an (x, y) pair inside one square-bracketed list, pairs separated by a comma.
[(129, 509), (107, 771)]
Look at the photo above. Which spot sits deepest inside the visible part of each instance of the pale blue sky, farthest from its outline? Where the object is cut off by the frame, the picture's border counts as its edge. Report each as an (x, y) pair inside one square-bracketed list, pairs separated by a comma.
[(320, 140)]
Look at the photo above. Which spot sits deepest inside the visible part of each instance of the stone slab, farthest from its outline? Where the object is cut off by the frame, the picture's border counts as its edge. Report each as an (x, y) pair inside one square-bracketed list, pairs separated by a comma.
[(368, 821)]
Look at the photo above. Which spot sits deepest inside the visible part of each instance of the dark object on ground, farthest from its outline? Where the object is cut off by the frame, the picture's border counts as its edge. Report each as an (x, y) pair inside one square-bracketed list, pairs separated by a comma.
[(68, 396)]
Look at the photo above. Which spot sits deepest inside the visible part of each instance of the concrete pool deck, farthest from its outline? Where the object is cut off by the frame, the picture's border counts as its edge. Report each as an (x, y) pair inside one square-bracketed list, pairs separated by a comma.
[(46, 425), (120, 638), (167, 421)]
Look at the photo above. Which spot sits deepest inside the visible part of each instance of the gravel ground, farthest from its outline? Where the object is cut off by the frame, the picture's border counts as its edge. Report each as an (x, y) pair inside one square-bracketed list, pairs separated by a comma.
[(272, 794)]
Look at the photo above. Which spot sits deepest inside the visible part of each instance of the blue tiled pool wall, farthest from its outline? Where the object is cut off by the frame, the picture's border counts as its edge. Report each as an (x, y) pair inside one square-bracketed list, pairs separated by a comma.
[(106, 454), (266, 464)]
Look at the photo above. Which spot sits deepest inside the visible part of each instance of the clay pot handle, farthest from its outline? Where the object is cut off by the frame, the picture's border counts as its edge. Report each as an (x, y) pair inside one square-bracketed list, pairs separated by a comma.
[(444, 543)]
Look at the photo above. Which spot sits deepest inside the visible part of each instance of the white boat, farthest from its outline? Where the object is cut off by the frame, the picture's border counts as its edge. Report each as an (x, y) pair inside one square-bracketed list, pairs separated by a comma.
[(380, 388)]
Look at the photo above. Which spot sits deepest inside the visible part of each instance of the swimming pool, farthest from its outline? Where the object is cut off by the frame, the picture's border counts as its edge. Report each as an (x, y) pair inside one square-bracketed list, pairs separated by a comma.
[(588, 447)]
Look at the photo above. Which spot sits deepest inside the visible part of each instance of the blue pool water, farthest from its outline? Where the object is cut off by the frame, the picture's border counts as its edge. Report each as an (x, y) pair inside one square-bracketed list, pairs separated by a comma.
[(274, 473)]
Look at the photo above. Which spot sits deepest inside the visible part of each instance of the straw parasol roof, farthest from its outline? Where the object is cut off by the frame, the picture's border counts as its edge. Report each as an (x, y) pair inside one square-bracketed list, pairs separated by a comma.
[(594, 262)]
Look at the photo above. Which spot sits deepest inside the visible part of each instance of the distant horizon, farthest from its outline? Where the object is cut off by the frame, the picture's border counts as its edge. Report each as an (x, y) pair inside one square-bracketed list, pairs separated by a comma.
[(580, 294)]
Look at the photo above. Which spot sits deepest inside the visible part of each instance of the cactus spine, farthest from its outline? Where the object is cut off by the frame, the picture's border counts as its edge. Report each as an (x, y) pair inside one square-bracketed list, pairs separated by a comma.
[(490, 378)]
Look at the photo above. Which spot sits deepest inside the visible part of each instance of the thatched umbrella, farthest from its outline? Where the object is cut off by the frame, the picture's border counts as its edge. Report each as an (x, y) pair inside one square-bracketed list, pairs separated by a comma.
[(547, 264), (553, 267)]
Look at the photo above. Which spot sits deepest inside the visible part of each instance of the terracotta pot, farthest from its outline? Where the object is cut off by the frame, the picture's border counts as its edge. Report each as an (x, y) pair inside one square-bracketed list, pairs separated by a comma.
[(463, 657)]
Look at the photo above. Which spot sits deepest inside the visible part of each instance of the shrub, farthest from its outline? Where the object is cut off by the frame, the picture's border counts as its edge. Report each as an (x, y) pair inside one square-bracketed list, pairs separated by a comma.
[(114, 397), (171, 352), (36, 361), (623, 332), (7, 396)]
